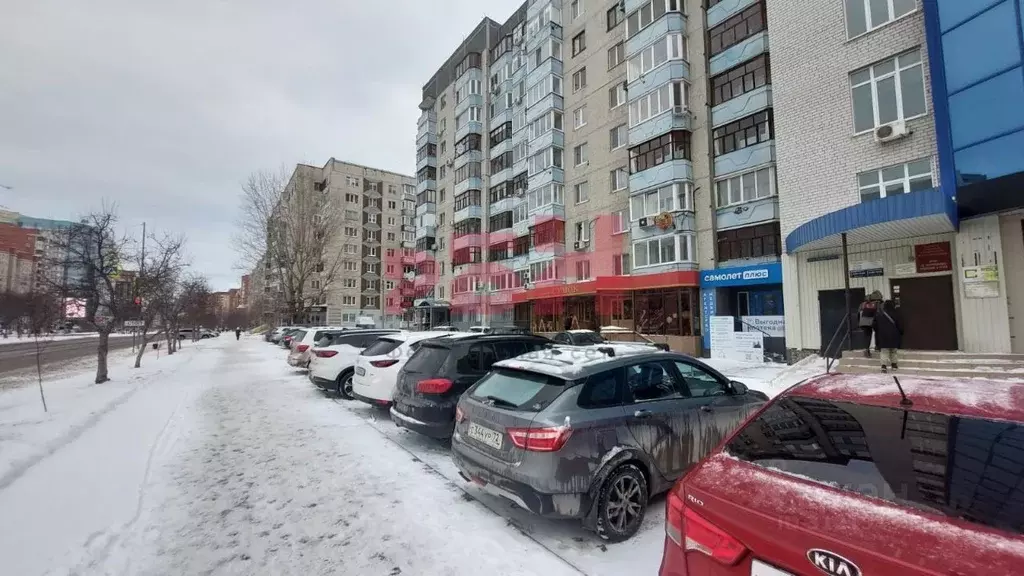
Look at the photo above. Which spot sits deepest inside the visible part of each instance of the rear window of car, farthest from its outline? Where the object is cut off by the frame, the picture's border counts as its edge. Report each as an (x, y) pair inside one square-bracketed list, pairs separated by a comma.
[(518, 389), (588, 338), (381, 347), (962, 467), (428, 358)]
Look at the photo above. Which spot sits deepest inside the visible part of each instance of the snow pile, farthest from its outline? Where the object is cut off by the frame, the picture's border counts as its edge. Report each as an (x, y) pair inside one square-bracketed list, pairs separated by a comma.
[(768, 377)]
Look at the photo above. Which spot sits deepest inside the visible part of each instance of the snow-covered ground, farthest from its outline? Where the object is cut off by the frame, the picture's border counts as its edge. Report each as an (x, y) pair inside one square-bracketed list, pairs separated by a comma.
[(13, 338), (222, 459)]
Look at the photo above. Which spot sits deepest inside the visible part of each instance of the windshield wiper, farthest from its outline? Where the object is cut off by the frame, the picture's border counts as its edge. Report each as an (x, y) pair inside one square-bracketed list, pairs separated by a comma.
[(501, 402)]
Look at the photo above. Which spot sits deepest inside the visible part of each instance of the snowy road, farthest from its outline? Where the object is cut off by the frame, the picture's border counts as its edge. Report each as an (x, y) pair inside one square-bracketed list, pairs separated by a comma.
[(223, 460)]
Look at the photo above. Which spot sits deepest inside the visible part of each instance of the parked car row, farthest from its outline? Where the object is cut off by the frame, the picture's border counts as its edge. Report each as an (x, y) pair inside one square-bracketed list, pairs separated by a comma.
[(838, 475)]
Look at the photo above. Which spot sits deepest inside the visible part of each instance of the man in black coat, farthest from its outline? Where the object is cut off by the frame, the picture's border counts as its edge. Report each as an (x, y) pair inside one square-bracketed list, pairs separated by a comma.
[(889, 334)]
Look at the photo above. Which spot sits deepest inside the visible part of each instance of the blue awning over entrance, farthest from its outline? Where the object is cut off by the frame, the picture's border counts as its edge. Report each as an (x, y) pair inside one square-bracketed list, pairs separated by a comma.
[(893, 217)]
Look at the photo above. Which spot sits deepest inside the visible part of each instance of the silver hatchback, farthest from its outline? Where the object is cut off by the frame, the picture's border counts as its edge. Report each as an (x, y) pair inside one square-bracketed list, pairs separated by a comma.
[(592, 432)]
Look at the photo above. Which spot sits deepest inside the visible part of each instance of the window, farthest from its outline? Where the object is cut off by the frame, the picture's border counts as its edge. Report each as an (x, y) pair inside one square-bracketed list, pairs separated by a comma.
[(648, 14), (614, 17), (547, 122), (581, 192), (616, 55), (579, 117), (544, 271), (618, 137), (548, 49), (619, 179), (651, 381), (582, 231), (888, 91), (500, 221), (352, 181), (620, 267), (737, 29), (440, 219), (750, 242), (551, 84), (699, 382), (501, 133), (352, 232), (501, 162), (351, 249), (620, 221), (663, 250), (862, 16), (579, 43), (617, 95), (352, 198), (745, 187), (669, 47), (544, 160), (370, 268), (348, 300), (372, 218), (672, 146), (744, 132), (671, 96), (579, 79), (350, 267), (582, 270), (740, 80), (463, 173), (467, 199), (350, 283), (466, 227), (579, 154), (673, 197), (468, 143), (576, 8), (547, 194), (391, 236), (899, 179)]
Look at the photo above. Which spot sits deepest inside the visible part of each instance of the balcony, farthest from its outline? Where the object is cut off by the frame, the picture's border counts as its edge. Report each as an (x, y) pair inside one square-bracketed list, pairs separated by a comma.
[(662, 174), (745, 158), (726, 8), (468, 212), (472, 183), (467, 128), (735, 55), (423, 256), (667, 72), (425, 208), (660, 124), (747, 214), (548, 139), (426, 161), (503, 205), (547, 176), (501, 117), (425, 231), (467, 241), (742, 106), (424, 138), (426, 185), (681, 221), (670, 22), (543, 106), (501, 147), (470, 100), (471, 156)]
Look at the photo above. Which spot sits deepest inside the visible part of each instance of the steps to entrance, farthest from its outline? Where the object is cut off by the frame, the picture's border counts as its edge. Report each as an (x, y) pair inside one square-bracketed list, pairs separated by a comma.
[(944, 364)]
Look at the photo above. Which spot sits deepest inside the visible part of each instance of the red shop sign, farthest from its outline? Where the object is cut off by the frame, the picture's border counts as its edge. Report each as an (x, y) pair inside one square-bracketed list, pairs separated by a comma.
[(933, 257)]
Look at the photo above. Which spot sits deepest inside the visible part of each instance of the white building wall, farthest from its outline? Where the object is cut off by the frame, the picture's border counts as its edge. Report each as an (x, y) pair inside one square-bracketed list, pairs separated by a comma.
[(987, 324), (1012, 228)]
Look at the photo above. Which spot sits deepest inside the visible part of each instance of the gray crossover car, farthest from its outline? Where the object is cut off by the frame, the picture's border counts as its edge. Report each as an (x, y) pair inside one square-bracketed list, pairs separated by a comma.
[(592, 432)]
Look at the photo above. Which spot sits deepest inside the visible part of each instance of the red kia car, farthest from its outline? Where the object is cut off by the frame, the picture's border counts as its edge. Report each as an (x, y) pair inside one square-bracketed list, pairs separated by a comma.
[(843, 475)]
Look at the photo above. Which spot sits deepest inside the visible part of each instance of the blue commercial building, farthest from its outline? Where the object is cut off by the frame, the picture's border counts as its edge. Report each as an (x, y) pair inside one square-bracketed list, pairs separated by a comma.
[(914, 186)]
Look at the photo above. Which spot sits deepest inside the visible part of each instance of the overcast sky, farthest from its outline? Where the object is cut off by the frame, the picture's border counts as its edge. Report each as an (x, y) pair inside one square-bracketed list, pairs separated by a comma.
[(165, 107)]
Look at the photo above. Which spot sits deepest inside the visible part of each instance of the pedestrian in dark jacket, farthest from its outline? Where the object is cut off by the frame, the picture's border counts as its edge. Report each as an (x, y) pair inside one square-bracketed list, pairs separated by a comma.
[(866, 319), (889, 334)]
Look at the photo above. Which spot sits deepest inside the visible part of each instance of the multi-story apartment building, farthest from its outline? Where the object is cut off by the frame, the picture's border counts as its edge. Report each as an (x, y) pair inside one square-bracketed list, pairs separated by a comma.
[(900, 167), (374, 210), (611, 179)]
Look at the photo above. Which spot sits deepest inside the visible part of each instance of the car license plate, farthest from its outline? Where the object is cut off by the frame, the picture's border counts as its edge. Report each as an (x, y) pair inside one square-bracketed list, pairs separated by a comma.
[(487, 436), (360, 371), (758, 568)]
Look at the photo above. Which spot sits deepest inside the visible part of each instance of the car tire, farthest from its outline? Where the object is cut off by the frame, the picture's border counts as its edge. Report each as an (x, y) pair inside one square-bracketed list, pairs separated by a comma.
[(344, 389), (622, 504)]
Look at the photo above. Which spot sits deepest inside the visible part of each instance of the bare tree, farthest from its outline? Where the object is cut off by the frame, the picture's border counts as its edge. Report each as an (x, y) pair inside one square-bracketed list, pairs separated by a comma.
[(159, 274), (96, 251), (289, 230)]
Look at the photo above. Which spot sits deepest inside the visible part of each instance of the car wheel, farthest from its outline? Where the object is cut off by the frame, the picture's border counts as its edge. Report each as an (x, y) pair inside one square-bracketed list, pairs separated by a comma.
[(345, 385), (622, 504)]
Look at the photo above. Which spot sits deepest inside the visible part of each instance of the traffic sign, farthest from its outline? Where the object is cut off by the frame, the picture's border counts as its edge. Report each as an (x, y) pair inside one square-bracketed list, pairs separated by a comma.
[(134, 323)]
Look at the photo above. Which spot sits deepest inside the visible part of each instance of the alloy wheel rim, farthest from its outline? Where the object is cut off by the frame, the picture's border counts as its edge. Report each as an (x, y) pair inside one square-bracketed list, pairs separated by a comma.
[(624, 505)]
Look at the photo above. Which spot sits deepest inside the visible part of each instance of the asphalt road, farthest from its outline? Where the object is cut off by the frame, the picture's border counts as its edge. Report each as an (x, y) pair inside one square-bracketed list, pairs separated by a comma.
[(21, 355)]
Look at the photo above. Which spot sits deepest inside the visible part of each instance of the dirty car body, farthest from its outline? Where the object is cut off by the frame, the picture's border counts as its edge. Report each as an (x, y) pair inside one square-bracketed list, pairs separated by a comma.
[(551, 431)]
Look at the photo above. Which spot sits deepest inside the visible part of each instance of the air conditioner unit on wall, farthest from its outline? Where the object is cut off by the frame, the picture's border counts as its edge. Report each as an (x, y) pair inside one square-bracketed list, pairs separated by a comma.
[(644, 222), (891, 131)]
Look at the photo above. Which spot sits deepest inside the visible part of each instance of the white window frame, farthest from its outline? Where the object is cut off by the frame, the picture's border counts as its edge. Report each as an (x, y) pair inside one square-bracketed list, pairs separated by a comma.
[(658, 102), (615, 176), (681, 196), (733, 178), (623, 139), (579, 154), (582, 270), (576, 9), (881, 184), (670, 6), (579, 117), (619, 52), (681, 242), (621, 97), (646, 60), (585, 187), (582, 231), (579, 80), (868, 28), (873, 81), (371, 218), (620, 222)]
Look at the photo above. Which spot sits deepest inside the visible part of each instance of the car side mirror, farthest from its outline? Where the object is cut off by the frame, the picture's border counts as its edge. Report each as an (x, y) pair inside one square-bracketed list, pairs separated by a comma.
[(738, 387)]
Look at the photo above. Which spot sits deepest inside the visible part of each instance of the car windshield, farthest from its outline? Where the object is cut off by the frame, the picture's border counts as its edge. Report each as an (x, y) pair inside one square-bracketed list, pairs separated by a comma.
[(518, 388), (588, 338), (952, 465), (382, 347)]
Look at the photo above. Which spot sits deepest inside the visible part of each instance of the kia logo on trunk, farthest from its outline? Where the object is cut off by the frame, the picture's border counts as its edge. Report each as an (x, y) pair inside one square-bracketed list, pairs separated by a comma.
[(831, 563)]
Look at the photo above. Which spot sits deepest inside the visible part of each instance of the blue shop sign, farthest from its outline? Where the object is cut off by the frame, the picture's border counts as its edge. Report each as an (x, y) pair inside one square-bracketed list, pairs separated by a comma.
[(742, 276)]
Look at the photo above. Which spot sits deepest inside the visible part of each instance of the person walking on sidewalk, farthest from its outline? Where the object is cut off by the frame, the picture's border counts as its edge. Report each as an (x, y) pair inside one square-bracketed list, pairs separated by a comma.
[(889, 334), (866, 318)]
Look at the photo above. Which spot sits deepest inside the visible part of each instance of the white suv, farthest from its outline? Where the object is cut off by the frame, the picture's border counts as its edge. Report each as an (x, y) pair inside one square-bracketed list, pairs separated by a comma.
[(300, 352), (377, 367), (332, 362)]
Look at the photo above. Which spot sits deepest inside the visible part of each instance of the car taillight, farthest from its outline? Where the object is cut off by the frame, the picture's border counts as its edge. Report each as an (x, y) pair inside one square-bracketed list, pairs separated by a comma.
[(383, 363), (303, 347), (434, 386), (325, 353), (540, 439), (459, 415), (694, 533)]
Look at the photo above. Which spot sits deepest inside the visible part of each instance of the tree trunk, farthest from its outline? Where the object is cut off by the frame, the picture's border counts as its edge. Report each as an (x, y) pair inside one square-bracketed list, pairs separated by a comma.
[(101, 356), (170, 341), (142, 350)]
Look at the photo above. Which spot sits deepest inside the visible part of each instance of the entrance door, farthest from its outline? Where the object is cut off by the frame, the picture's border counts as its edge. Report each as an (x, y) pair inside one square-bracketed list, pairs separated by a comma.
[(831, 310), (926, 307)]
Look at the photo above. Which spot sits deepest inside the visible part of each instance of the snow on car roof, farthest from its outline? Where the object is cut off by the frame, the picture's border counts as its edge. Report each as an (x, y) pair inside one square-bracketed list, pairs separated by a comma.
[(572, 362), (978, 397), (417, 336), (581, 331)]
